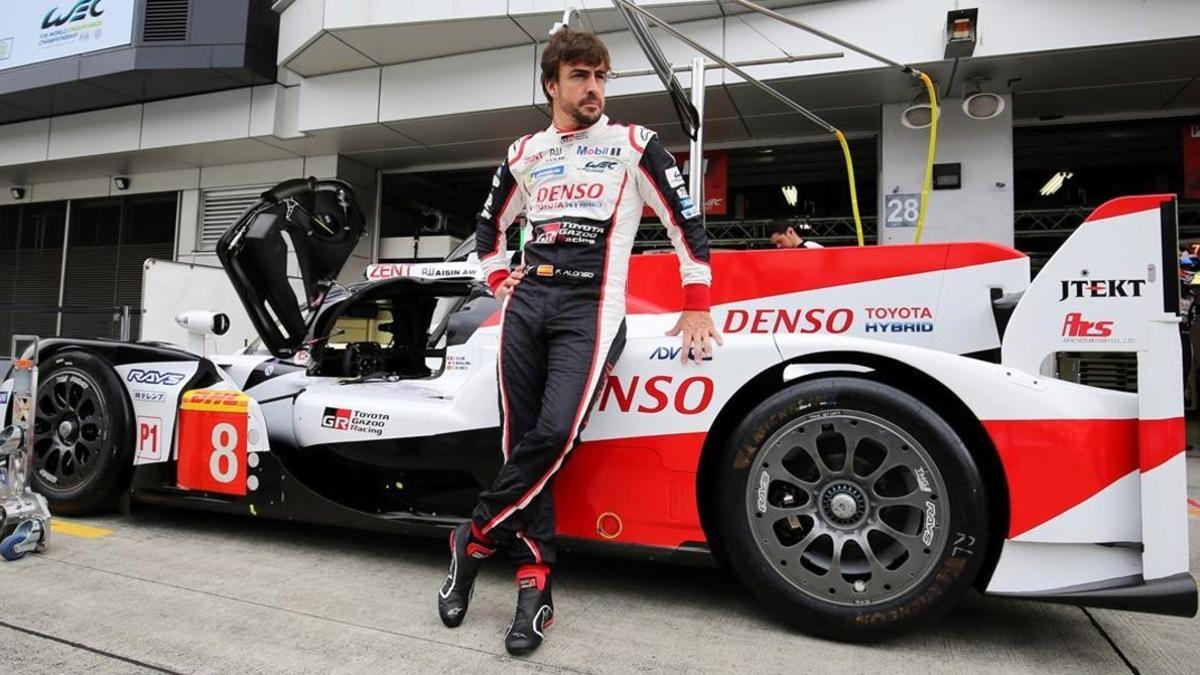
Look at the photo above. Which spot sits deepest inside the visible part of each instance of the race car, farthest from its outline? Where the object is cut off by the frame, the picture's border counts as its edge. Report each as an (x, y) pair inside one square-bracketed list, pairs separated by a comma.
[(882, 430)]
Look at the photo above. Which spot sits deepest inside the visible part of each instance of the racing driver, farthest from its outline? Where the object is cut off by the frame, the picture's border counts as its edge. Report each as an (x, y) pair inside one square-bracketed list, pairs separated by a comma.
[(581, 184)]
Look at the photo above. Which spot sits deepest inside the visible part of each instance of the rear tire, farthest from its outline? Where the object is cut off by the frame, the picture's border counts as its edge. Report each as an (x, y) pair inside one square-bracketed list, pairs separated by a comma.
[(851, 509), (83, 434)]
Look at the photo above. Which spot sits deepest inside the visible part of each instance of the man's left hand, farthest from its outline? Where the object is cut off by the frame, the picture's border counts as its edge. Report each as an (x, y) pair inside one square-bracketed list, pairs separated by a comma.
[(698, 334)]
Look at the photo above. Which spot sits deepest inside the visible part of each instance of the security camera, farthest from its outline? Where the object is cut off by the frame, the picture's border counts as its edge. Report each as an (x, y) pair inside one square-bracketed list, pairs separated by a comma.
[(204, 322), (17, 193)]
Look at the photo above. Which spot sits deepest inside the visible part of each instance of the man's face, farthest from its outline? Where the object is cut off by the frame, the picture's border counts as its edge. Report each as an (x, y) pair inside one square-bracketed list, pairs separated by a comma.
[(788, 239), (579, 91)]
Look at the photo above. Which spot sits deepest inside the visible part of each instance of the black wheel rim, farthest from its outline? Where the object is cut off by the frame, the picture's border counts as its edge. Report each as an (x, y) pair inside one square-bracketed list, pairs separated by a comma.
[(70, 430), (847, 507)]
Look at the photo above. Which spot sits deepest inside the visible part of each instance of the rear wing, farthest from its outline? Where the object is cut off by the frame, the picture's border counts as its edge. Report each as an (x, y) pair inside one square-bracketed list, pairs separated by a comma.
[(1113, 286)]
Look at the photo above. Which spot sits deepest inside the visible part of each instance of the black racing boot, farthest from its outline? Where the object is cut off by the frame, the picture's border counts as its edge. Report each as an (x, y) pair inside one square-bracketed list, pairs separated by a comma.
[(466, 554), (535, 610)]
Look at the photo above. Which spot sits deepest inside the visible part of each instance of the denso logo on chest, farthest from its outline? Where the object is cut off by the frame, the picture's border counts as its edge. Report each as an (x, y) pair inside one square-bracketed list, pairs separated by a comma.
[(555, 193)]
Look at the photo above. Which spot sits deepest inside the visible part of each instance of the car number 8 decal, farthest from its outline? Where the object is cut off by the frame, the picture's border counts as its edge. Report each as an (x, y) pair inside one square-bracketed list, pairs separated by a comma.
[(212, 435), (224, 442)]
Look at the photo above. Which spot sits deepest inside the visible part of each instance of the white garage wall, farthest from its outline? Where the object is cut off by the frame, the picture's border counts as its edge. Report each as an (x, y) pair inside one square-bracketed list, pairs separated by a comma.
[(982, 210)]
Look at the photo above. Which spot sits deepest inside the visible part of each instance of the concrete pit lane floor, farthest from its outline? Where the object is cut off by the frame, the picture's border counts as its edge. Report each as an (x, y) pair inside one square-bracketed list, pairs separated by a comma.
[(176, 591)]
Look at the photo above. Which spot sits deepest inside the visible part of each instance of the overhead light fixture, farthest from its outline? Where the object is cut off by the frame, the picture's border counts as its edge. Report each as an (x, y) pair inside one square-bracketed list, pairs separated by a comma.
[(17, 193), (919, 114), (983, 106), (1055, 183), (979, 102), (121, 182), (790, 194)]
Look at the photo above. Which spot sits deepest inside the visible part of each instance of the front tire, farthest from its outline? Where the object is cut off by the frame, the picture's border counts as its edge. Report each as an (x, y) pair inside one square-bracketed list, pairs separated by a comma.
[(851, 509), (83, 438)]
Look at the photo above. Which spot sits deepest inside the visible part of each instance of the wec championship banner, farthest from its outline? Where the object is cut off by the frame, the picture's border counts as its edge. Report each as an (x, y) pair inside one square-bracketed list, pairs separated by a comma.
[(32, 31)]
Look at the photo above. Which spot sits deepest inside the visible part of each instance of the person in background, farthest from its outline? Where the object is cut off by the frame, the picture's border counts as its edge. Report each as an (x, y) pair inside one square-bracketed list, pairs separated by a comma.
[(783, 235)]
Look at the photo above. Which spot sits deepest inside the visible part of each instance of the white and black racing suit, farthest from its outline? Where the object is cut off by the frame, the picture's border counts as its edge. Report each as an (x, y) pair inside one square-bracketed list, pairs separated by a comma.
[(562, 330)]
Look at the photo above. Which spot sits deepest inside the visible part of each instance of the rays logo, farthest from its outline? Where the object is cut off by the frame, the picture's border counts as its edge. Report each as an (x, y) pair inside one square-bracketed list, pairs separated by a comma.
[(154, 377), (337, 418), (80, 11)]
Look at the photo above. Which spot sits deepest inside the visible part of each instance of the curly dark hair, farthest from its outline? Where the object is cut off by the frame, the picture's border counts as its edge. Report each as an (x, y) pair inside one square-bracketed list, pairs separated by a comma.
[(571, 46)]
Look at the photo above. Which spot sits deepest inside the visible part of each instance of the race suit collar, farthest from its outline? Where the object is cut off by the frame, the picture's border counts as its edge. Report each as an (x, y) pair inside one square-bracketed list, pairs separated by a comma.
[(602, 122)]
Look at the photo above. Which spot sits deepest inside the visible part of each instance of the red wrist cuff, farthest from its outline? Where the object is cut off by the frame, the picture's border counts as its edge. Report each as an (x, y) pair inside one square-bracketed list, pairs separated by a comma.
[(495, 279), (695, 298)]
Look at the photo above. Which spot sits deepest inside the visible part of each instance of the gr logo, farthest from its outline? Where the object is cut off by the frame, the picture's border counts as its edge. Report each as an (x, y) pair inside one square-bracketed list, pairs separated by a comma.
[(80, 11), (337, 418)]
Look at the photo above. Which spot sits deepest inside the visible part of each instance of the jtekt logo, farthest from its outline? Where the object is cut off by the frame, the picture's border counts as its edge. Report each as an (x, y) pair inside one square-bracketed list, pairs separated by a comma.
[(1076, 327), (336, 418), (78, 12), (1102, 288)]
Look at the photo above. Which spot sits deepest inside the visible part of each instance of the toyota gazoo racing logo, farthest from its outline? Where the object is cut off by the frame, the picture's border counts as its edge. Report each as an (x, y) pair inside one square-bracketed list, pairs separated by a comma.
[(567, 232), (78, 12), (547, 233), (141, 376), (337, 418), (345, 419), (1102, 288)]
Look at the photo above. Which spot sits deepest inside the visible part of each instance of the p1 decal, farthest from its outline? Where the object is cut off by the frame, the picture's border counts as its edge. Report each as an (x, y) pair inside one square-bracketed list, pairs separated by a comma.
[(149, 439)]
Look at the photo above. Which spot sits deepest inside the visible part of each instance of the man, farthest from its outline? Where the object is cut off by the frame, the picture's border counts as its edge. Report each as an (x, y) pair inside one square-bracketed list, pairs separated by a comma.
[(783, 235), (581, 183)]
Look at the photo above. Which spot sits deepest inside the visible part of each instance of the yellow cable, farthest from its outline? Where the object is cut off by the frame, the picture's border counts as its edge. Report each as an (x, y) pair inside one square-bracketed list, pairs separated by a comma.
[(928, 182), (853, 192)]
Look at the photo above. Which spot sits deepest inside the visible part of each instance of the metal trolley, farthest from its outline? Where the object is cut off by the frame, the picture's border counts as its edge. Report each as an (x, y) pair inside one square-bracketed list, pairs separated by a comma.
[(24, 515)]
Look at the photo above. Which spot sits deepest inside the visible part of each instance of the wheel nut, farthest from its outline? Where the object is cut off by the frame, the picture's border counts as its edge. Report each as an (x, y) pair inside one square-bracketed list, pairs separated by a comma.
[(860, 586)]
